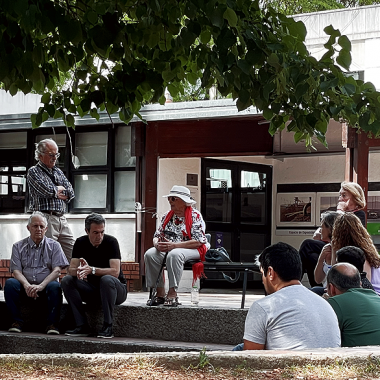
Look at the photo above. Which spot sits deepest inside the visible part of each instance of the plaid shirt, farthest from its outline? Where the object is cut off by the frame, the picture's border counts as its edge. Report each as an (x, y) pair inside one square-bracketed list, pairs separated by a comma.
[(37, 262), (43, 191)]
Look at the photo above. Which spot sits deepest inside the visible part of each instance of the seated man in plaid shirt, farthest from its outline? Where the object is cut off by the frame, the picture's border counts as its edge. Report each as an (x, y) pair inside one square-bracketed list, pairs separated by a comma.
[(50, 192)]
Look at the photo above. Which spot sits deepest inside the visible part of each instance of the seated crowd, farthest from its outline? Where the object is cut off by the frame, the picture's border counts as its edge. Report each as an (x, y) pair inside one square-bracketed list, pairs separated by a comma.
[(341, 309)]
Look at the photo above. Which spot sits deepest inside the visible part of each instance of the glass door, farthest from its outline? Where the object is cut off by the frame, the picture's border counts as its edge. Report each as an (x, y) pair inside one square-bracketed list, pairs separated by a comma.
[(236, 206)]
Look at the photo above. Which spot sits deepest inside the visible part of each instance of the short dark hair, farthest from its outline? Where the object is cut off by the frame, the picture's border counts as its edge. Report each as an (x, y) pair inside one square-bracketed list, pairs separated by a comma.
[(284, 259), (343, 281), (352, 255), (93, 218)]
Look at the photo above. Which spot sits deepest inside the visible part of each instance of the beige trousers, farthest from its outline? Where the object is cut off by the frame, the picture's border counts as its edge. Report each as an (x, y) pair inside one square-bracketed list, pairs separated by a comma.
[(59, 230)]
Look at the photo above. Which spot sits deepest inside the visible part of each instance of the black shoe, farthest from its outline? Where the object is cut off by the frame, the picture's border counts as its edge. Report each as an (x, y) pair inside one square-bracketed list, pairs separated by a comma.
[(52, 330), (16, 327), (105, 332), (79, 331)]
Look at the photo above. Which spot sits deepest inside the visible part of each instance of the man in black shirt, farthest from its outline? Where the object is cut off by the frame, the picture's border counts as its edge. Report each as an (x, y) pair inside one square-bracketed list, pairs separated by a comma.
[(94, 276)]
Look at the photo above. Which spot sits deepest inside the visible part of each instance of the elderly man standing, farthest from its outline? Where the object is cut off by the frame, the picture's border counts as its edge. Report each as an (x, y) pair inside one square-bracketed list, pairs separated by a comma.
[(95, 277), (50, 192), (36, 264)]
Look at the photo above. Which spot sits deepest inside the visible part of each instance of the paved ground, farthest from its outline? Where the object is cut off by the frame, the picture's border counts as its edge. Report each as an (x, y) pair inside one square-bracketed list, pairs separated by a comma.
[(214, 298)]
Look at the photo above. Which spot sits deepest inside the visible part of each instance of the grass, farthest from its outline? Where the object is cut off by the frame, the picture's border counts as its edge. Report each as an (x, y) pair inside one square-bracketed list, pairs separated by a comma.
[(142, 368)]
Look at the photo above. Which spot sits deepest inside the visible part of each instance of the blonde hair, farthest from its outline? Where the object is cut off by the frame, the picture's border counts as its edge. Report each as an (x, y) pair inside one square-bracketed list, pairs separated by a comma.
[(357, 192), (349, 230)]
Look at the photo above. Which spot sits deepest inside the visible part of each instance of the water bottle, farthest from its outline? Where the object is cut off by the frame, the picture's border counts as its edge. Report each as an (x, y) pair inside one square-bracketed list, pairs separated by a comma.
[(194, 296)]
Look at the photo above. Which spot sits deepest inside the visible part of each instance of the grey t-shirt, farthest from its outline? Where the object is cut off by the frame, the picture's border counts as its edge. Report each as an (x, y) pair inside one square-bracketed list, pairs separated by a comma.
[(292, 318)]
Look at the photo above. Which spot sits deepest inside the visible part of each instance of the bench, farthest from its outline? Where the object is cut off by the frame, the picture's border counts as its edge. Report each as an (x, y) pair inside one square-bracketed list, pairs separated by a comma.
[(230, 267)]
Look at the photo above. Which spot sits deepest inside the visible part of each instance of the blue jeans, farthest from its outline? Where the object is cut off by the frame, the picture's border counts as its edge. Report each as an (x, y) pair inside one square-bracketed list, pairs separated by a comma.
[(15, 295), (239, 347)]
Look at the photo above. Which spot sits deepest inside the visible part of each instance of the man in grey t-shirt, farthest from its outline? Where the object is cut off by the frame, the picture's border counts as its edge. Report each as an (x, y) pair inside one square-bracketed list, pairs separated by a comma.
[(291, 316)]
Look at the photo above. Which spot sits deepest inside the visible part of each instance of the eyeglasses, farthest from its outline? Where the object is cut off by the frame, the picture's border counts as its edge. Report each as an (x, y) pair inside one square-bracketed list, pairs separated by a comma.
[(173, 199), (56, 155)]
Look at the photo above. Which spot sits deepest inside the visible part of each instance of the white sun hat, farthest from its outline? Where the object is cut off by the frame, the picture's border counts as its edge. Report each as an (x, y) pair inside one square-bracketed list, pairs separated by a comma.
[(181, 192)]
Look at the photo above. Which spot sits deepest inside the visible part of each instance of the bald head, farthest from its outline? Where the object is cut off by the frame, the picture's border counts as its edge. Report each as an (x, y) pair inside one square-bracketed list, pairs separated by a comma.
[(344, 276)]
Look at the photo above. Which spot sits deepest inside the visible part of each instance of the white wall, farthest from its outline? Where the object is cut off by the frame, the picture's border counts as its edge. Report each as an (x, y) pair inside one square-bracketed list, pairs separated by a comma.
[(173, 171), (19, 103), (13, 228)]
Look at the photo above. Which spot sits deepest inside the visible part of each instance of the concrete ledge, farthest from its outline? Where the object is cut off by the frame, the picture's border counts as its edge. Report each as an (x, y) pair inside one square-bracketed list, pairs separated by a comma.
[(184, 323), (32, 343), (253, 359)]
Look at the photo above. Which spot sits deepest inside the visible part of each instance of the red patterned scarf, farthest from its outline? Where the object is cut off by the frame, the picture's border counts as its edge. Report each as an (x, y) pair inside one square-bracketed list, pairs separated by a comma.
[(198, 268)]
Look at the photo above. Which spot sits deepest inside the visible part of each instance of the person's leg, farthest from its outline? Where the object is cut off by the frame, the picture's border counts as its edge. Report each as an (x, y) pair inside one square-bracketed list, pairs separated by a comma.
[(174, 265), (76, 291), (153, 261), (52, 231), (65, 237), (239, 347), (309, 251), (320, 290), (12, 293), (112, 292), (53, 293)]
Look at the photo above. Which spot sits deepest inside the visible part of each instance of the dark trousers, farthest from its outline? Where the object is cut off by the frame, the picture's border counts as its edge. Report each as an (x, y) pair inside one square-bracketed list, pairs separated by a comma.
[(309, 251), (108, 293), (15, 295)]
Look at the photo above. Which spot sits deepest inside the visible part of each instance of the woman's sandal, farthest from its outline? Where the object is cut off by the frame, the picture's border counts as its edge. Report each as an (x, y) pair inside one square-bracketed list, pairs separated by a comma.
[(171, 302), (157, 301)]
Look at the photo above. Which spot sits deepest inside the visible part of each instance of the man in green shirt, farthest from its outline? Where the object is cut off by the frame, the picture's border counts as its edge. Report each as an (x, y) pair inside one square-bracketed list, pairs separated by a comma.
[(357, 309)]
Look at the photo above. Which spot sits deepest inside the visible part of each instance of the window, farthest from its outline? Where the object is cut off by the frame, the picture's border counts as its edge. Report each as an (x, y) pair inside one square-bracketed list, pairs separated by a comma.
[(12, 172)]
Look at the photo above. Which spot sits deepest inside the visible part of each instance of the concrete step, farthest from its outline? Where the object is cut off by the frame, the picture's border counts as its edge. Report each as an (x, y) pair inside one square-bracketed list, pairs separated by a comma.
[(32, 343), (221, 323)]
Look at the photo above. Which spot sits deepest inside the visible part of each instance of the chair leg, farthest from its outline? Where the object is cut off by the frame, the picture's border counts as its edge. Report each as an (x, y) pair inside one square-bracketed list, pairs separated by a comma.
[(244, 288)]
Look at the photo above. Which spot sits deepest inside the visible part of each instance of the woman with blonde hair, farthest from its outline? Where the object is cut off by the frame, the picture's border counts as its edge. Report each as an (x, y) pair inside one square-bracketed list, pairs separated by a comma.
[(351, 199), (349, 231)]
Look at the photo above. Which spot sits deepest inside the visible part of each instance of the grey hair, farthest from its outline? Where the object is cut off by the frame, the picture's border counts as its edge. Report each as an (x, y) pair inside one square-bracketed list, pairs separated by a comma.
[(344, 276), (93, 218), (41, 147), (37, 213)]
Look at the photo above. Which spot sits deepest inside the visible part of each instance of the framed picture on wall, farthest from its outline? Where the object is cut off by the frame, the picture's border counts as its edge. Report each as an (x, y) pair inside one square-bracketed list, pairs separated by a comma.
[(295, 209), (325, 202)]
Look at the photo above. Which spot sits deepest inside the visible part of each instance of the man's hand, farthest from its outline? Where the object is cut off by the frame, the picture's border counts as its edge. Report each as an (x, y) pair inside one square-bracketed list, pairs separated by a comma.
[(32, 290), (83, 270), (61, 193)]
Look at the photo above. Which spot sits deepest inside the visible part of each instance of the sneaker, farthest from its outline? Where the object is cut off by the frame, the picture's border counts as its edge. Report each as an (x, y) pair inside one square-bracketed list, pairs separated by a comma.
[(16, 327), (79, 331), (52, 330), (106, 332)]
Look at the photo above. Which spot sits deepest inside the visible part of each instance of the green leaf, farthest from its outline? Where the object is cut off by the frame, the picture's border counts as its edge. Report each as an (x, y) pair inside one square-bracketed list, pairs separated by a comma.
[(298, 30), (94, 113), (231, 17), (274, 61), (46, 98), (344, 42), (344, 59), (205, 37)]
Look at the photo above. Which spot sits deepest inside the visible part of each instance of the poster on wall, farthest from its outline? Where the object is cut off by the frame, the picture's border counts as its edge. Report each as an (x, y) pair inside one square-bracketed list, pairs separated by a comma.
[(296, 209), (325, 202), (373, 212)]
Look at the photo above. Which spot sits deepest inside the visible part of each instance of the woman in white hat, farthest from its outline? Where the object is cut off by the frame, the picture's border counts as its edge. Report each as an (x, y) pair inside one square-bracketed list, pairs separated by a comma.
[(181, 233)]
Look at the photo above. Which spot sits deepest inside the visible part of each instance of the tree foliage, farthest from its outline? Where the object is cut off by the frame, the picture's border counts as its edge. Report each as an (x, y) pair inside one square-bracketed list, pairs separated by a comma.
[(123, 53)]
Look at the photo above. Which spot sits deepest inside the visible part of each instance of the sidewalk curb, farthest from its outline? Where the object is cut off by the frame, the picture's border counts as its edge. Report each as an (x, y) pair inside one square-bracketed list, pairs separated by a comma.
[(226, 359)]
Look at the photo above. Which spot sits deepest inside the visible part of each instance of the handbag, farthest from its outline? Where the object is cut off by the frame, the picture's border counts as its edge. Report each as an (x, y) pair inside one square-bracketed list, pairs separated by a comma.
[(219, 255)]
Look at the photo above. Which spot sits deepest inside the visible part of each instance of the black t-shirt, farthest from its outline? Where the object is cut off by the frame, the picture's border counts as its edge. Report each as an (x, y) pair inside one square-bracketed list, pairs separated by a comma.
[(98, 256)]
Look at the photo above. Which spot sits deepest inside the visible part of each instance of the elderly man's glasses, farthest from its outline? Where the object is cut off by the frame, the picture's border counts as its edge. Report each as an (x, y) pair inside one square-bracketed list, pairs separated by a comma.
[(56, 155)]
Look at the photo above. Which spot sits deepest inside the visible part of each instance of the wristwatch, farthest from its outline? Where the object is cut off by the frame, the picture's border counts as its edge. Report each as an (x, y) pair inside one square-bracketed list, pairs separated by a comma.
[(93, 270)]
